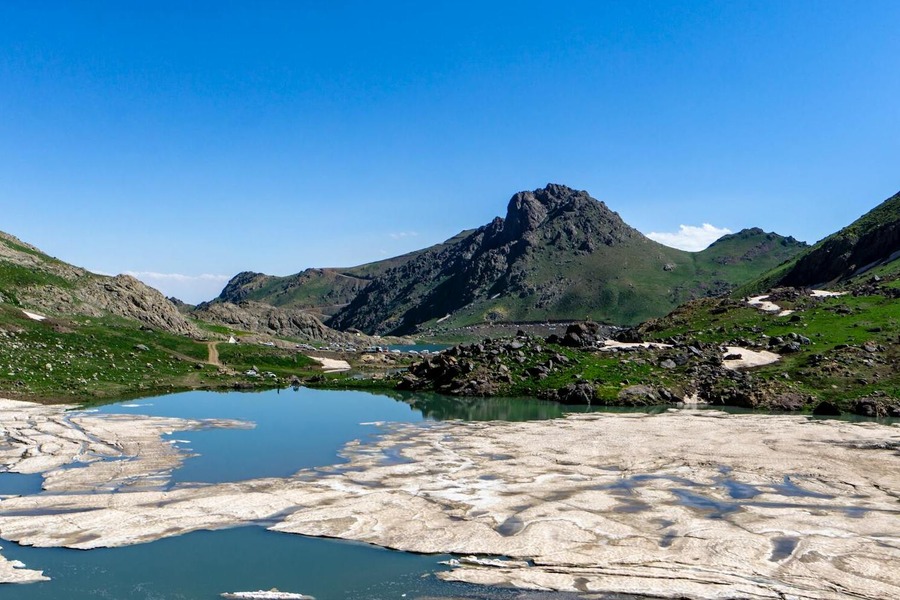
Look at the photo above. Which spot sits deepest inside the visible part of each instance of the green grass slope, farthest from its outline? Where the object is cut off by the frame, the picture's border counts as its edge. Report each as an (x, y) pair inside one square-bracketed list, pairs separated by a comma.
[(321, 292), (106, 338), (867, 243)]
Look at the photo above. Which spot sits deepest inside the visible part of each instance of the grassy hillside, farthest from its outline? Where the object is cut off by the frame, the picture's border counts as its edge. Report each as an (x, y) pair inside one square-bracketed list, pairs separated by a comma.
[(870, 241), (82, 359), (321, 292), (100, 338)]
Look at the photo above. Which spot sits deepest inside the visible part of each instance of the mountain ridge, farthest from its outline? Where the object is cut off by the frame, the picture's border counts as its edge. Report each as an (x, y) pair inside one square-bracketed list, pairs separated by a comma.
[(558, 254), (318, 291)]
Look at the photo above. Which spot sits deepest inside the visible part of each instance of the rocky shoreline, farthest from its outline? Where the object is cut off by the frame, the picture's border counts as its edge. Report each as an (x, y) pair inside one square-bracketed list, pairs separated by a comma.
[(697, 372), (823, 355)]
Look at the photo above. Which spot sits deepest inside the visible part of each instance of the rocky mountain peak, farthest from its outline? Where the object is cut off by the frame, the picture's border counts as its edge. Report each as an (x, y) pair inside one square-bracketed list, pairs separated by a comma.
[(239, 287), (528, 211), (558, 254)]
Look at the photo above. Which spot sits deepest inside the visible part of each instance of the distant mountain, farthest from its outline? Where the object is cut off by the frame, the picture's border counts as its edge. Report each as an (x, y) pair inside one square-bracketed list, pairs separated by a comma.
[(558, 254), (871, 241), (320, 292), (32, 280)]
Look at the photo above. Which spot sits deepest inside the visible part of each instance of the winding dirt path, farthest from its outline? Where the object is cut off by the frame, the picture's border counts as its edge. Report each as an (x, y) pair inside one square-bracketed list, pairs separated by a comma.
[(213, 354)]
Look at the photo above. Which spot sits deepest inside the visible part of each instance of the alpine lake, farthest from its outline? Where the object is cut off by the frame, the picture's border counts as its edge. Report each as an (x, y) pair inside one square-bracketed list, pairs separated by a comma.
[(309, 430), (294, 429)]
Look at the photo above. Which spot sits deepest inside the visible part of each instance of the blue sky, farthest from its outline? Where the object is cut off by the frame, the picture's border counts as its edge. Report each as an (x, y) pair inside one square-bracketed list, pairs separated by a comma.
[(155, 137)]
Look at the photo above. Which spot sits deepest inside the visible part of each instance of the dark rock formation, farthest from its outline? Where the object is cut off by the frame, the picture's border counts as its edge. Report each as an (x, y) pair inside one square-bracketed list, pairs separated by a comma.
[(826, 409)]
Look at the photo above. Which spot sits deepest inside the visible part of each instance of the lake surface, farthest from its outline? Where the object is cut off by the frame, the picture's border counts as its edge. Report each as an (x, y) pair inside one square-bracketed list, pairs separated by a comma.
[(294, 430)]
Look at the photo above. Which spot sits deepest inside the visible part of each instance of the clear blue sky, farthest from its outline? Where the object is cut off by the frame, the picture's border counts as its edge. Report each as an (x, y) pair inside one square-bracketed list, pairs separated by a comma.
[(273, 136)]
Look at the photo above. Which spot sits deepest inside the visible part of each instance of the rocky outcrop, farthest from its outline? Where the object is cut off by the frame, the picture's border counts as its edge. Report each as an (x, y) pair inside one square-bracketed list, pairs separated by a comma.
[(262, 318), (242, 285), (480, 369), (125, 296), (59, 288)]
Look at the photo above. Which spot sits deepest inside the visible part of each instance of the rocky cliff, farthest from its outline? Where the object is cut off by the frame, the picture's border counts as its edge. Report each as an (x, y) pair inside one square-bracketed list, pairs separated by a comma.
[(258, 317)]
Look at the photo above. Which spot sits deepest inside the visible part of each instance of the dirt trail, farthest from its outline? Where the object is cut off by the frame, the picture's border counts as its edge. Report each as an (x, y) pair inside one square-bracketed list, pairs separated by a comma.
[(213, 354)]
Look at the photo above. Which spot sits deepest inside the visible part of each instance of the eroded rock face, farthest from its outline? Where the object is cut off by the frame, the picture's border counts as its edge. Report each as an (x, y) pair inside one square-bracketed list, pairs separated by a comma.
[(700, 505), (267, 319), (75, 291), (128, 297)]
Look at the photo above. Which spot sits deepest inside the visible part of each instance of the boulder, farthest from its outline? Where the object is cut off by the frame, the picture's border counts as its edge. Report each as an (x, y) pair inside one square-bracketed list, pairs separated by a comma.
[(576, 393), (792, 401), (826, 409), (644, 395)]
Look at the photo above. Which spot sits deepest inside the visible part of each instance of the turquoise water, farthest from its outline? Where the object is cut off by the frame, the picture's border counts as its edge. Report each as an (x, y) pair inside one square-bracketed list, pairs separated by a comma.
[(202, 565), (294, 430), (18, 484)]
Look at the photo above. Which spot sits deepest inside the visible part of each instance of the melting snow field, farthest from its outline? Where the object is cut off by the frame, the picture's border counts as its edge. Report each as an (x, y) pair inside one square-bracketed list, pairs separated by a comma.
[(684, 503)]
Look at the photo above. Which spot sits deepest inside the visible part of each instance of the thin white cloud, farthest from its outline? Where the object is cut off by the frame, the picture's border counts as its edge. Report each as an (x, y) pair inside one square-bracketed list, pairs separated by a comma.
[(690, 237), (177, 276), (403, 234), (189, 288)]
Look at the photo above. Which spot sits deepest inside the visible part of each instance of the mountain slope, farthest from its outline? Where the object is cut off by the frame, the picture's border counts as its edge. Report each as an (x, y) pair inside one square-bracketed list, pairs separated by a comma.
[(320, 292), (870, 241), (31, 279), (558, 254)]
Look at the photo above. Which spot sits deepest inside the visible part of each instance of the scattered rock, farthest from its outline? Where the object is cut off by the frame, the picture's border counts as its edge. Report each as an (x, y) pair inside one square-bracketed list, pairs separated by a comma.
[(826, 409), (645, 395)]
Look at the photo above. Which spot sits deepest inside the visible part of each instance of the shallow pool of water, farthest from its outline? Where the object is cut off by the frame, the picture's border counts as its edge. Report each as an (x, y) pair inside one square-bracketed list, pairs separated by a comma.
[(20, 484), (202, 565)]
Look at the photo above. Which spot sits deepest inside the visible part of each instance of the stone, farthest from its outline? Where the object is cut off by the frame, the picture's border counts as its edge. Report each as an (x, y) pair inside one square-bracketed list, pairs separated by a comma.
[(826, 409), (869, 407), (576, 393), (790, 401), (790, 348), (640, 395)]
